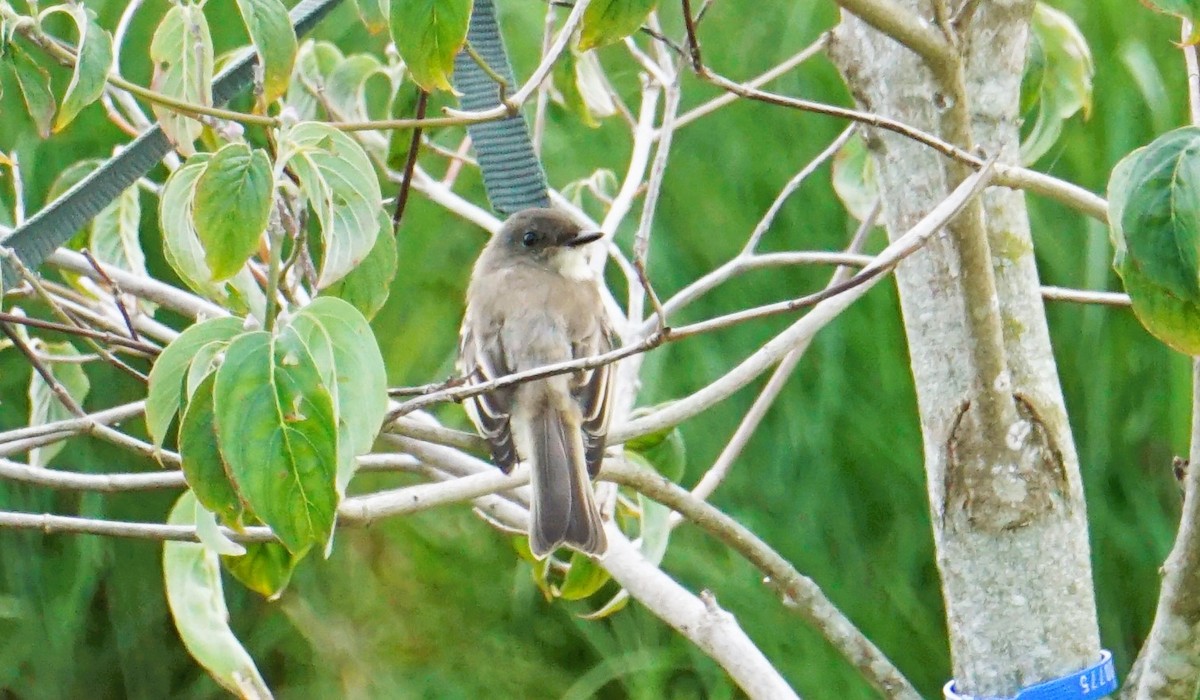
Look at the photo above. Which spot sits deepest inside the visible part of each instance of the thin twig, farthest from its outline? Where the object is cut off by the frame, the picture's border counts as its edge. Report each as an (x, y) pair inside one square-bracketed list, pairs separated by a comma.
[(414, 147), (110, 338), (116, 292), (487, 69), (60, 392), (70, 321), (720, 467), (792, 185), (74, 426), (658, 168)]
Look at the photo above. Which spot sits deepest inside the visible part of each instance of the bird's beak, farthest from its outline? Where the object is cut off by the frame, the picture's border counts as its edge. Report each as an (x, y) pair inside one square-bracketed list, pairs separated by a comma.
[(584, 238)]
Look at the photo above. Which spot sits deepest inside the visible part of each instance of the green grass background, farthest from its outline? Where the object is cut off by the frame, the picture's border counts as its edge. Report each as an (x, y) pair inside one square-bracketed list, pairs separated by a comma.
[(437, 605)]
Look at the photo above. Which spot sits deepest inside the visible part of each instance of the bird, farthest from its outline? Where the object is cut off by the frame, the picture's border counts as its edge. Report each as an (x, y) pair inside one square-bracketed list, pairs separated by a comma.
[(534, 300)]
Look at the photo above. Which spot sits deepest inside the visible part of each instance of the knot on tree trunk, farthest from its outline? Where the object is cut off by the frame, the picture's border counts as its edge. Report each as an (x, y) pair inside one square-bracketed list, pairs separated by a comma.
[(998, 487)]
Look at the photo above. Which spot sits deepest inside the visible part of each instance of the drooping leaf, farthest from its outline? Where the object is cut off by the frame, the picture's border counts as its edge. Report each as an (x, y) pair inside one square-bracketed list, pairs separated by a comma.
[(94, 59), (367, 286), (197, 600), (609, 21), (231, 207), (315, 62), (182, 249), (428, 34), (1057, 81), (539, 568), (346, 89), (854, 178), (182, 52), (44, 405), (34, 83), (114, 237), (277, 430), (203, 466), (566, 82), (339, 183), (347, 355), (164, 397), (274, 41), (210, 534), (265, 568), (1154, 219)]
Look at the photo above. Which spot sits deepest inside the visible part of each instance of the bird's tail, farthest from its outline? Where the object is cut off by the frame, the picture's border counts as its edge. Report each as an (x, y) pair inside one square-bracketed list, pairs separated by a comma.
[(563, 510)]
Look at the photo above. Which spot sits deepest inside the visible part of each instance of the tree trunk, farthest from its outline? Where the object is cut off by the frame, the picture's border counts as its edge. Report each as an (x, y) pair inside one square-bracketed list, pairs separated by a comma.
[(1009, 517)]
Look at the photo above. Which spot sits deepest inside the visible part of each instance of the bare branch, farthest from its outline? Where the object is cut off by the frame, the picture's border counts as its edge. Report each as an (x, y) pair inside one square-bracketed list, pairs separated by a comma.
[(806, 327), (716, 473), (799, 593), (74, 426), (146, 288), (767, 76), (1007, 175), (105, 483)]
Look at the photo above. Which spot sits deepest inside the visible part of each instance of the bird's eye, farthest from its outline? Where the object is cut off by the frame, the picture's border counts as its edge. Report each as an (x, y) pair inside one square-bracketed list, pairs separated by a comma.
[(529, 239)]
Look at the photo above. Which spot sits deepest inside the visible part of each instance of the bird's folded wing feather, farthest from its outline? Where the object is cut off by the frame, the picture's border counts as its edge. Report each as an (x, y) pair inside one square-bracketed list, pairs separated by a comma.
[(593, 389), (491, 410)]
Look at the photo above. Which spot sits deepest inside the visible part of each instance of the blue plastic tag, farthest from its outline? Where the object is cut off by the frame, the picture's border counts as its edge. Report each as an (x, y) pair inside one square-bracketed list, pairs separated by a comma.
[(1092, 682)]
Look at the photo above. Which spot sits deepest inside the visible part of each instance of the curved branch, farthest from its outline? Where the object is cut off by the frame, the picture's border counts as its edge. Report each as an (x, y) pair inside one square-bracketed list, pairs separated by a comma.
[(799, 593)]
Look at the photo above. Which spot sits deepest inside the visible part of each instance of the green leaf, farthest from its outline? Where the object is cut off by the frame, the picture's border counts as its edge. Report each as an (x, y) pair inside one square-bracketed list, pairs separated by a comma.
[(584, 577), (315, 62), (566, 82), (539, 568), (182, 52), (164, 397), (201, 460), (210, 534), (374, 14), (1057, 81), (1185, 9), (347, 356), (337, 178), (44, 406), (609, 21), (34, 82), (114, 236), (274, 41), (855, 180), (181, 243), (205, 361), (94, 61), (662, 450), (277, 431), (197, 600), (1154, 217), (428, 34), (346, 89), (367, 286), (265, 568), (231, 207)]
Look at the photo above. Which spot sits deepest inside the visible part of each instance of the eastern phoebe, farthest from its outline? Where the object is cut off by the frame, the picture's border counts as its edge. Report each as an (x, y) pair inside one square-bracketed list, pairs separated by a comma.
[(533, 300)]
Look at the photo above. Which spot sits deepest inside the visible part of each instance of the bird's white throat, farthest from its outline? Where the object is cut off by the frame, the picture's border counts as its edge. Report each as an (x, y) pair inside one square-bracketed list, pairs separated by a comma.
[(574, 264)]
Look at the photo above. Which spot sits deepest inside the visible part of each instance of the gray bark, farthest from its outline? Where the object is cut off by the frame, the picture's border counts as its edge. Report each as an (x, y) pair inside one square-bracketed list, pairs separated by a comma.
[(1009, 517)]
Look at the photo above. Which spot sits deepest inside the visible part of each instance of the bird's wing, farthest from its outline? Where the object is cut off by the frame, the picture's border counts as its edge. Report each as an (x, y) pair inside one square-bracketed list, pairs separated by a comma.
[(593, 389), (490, 411)]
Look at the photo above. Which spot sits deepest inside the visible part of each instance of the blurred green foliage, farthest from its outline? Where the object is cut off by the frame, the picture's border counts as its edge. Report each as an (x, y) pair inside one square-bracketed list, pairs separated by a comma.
[(437, 605)]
